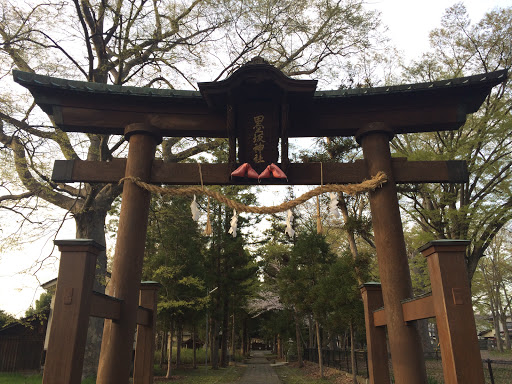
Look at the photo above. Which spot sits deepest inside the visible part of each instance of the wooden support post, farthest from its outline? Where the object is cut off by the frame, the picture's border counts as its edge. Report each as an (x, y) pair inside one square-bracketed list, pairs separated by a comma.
[(451, 295), (145, 342), (404, 339), (66, 347), (118, 336), (378, 367)]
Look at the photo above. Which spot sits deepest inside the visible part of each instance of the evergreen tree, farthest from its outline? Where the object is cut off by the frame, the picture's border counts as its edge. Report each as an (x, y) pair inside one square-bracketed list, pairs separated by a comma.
[(310, 261), (174, 259), (230, 268)]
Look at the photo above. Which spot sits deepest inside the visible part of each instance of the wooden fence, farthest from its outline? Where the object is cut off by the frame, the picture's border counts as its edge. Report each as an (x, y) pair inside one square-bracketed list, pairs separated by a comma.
[(21, 353)]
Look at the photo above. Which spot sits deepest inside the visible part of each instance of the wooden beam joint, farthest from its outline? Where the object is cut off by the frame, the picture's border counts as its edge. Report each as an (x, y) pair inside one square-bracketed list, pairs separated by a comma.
[(417, 308), (104, 306)]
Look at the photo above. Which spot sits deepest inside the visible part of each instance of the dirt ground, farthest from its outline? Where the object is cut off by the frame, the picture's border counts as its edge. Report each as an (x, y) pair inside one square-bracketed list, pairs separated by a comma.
[(336, 376)]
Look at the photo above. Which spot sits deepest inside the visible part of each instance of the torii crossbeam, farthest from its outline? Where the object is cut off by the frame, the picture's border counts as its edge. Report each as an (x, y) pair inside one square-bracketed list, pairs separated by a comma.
[(258, 92)]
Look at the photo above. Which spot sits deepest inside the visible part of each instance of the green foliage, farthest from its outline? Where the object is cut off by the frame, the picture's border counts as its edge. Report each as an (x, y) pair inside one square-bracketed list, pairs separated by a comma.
[(226, 257), (277, 322), (338, 299), (491, 286), (5, 318), (274, 257), (174, 258), (310, 261), (41, 304), (415, 238)]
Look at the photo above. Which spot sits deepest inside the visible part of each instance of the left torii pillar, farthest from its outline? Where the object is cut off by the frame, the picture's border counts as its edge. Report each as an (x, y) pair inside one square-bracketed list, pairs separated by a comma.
[(118, 336)]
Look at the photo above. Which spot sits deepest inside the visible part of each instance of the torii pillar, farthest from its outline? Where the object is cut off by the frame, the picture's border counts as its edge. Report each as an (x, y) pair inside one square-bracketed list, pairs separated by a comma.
[(404, 340), (118, 336)]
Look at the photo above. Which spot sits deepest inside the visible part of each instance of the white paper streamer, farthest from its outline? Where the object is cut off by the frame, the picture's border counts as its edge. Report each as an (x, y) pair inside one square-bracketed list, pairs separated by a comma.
[(289, 230), (333, 205), (195, 210), (234, 222)]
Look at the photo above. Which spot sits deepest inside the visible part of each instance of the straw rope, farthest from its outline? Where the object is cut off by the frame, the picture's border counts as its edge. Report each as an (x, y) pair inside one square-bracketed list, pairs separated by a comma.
[(351, 189)]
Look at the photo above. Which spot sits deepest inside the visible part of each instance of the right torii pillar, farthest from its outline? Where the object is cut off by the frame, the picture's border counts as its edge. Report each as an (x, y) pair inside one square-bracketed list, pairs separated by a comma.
[(404, 341)]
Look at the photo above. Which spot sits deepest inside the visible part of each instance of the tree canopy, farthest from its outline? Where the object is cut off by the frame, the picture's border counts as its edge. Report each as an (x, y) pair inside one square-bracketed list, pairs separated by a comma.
[(157, 44), (476, 210)]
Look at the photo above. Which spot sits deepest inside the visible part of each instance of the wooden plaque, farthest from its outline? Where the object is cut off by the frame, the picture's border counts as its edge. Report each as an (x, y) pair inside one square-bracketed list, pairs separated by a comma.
[(258, 134)]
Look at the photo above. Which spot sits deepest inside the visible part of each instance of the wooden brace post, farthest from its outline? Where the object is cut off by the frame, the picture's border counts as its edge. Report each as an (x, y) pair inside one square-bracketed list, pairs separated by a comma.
[(66, 347), (378, 367), (451, 295), (145, 341)]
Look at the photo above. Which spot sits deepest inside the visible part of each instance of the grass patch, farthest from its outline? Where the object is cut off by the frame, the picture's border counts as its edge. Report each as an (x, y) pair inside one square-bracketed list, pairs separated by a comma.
[(20, 378), (187, 356), (497, 355), (229, 375)]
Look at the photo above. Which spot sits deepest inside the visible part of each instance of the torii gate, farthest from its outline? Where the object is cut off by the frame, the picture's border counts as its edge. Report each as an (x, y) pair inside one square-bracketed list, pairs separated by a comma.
[(291, 108)]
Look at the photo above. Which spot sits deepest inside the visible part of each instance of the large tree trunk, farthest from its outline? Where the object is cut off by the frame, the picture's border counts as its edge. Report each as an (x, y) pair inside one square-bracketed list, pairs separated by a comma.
[(179, 341), (225, 333), (506, 335), (163, 350), (91, 225), (426, 341), (502, 314), (496, 322), (215, 345), (353, 353), (311, 339), (245, 337), (233, 339), (319, 347), (194, 357), (508, 307), (169, 359), (297, 337)]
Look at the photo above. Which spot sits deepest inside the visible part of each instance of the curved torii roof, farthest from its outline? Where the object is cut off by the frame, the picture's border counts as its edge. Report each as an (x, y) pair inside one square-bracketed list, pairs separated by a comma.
[(107, 109)]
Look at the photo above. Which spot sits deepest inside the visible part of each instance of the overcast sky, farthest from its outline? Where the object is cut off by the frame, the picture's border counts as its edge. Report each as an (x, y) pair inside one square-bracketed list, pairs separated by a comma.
[(409, 23)]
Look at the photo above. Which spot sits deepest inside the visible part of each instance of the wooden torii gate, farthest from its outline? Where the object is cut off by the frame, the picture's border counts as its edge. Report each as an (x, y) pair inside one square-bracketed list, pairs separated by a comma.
[(290, 108)]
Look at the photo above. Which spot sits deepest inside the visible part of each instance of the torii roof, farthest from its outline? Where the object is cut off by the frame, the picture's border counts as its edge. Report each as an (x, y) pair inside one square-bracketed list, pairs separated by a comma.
[(107, 109)]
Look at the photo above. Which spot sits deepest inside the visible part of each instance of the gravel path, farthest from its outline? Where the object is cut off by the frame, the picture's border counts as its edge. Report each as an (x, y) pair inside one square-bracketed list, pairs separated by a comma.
[(259, 370)]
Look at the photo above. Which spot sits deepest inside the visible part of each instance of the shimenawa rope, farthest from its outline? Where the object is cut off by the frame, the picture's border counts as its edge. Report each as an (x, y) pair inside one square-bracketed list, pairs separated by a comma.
[(352, 189)]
